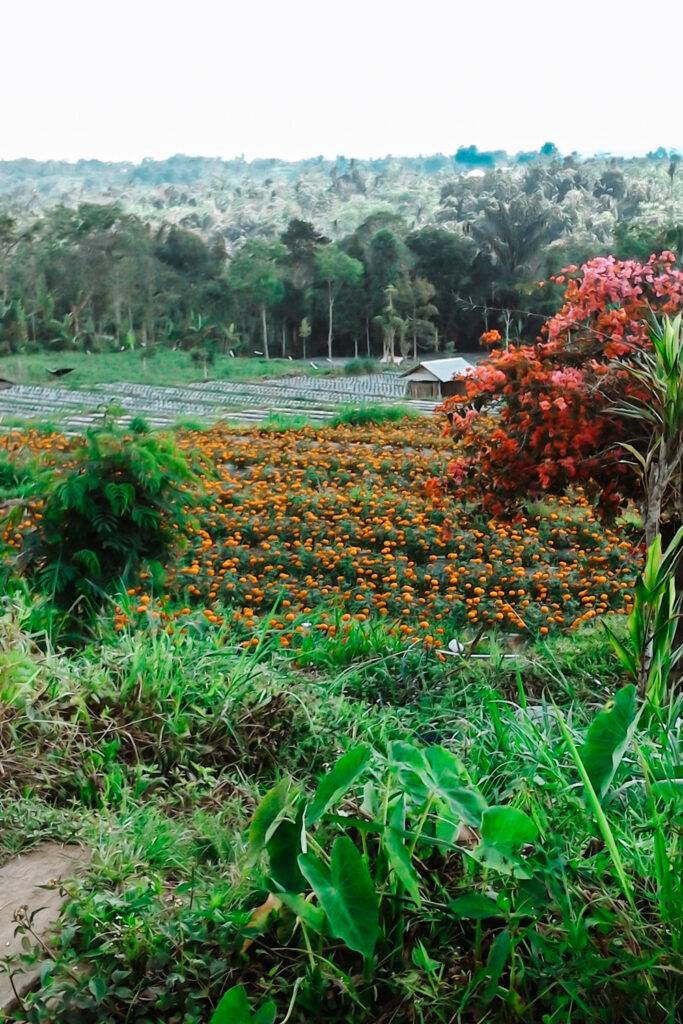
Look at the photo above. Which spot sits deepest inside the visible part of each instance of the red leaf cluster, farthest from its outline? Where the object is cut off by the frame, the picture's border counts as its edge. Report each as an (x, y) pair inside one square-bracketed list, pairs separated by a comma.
[(537, 418)]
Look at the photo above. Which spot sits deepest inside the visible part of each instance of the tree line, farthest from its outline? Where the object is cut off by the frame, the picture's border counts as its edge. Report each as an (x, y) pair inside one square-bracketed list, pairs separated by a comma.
[(102, 276)]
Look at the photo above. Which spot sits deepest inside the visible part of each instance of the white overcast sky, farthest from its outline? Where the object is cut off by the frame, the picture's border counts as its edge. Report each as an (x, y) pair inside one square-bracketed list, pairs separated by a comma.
[(125, 79)]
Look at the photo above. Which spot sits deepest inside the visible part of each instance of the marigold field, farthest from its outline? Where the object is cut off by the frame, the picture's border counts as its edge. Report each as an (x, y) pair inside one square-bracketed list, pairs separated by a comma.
[(315, 528)]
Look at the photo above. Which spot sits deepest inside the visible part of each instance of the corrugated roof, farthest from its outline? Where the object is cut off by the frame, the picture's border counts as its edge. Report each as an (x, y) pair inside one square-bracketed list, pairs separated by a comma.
[(443, 369)]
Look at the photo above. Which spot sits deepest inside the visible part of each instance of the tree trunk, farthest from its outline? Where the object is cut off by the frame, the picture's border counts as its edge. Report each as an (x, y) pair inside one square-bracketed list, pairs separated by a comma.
[(330, 316), (655, 487), (355, 346), (284, 339), (367, 337), (264, 328)]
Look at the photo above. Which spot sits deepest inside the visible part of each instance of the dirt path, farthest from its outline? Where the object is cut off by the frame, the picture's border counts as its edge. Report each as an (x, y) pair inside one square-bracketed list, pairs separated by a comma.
[(21, 887)]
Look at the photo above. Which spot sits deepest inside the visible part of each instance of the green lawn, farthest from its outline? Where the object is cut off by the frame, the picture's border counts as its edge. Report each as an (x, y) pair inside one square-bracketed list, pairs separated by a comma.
[(166, 367)]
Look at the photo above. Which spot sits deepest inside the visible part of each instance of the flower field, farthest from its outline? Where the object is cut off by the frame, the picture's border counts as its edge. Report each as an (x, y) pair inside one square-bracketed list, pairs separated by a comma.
[(333, 525), (316, 528)]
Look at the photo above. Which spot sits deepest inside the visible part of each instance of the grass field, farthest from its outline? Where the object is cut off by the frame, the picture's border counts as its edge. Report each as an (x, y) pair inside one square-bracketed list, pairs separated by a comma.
[(156, 751), (166, 367)]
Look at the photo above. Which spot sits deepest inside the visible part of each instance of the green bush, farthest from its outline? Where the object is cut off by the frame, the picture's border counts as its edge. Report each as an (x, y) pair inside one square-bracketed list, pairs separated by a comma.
[(357, 367), (370, 413), (17, 478), (111, 505), (139, 425)]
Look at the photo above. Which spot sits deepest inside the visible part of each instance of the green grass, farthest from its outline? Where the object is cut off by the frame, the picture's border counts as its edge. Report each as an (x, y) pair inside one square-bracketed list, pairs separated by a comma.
[(155, 751), (366, 413), (280, 423), (165, 367)]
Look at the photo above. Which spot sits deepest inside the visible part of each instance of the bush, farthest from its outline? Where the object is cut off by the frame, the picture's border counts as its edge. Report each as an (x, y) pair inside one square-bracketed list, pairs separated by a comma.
[(17, 479), (357, 367), (139, 425), (111, 505), (369, 413), (542, 418)]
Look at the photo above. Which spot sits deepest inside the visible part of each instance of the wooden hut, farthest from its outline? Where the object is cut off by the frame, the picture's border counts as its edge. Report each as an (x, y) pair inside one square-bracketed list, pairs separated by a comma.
[(437, 378)]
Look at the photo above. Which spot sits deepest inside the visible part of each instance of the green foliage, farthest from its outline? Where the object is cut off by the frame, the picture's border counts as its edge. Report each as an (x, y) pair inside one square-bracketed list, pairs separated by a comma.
[(358, 367), (362, 415), (234, 1008), (346, 894), (139, 425), (610, 734), (110, 506), (649, 653), (109, 271), (19, 477), (415, 862)]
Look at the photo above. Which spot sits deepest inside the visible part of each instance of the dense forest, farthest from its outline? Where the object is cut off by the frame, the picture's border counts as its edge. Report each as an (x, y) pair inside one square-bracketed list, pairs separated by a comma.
[(334, 257)]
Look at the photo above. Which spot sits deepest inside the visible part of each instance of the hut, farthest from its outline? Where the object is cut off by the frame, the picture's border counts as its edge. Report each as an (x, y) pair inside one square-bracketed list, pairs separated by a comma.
[(437, 378)]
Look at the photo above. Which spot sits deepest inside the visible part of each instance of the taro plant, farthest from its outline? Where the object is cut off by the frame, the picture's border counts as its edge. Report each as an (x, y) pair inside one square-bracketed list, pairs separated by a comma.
[(234, 1008), (363, 865)]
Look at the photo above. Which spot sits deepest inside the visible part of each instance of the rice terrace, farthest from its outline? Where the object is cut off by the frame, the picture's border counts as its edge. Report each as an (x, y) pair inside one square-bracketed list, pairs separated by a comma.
[(341, 518)]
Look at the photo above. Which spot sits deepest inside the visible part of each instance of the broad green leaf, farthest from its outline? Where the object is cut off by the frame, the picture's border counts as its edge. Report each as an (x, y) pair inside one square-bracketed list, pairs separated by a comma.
[(444, 780), (267, 815), (503, 831), (265, 1014), (436, 772), (283, 848), (653, 561), (669, 789), (474, 906), (408, 755), (607, 738), (412, 768), (99, 987), (507, 828), (313, 917), (346, 894), (397, 854), (333, 785), (234, 1008)]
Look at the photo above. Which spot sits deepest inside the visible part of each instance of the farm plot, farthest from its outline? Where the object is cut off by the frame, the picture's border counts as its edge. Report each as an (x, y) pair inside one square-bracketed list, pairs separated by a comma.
[(321, 530), (240, 401)]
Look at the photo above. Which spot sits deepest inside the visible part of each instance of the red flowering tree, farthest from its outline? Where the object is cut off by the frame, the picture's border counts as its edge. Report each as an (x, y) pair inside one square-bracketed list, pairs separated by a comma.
[(538, 418)]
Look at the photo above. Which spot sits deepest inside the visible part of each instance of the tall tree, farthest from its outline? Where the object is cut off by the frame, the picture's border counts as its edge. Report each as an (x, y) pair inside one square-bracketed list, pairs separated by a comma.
[(335, 269), (414, 300), (391, 324), (255, 274)]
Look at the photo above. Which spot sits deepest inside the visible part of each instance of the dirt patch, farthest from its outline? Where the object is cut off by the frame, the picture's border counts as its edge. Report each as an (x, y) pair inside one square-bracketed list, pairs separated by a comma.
[(22, 890)]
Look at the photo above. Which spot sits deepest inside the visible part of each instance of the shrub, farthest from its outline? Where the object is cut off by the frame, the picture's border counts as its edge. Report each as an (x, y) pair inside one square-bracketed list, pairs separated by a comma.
[(369, 413), (17, 478), (357, 367), (111, 505), (139, 425), (540, 418)]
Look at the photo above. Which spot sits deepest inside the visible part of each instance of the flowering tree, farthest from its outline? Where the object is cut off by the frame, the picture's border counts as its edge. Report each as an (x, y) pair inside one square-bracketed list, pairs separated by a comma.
[(539, 418)]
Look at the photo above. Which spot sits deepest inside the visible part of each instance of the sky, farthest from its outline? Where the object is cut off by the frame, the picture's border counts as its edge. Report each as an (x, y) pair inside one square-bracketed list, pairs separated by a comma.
[(127, 79)]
